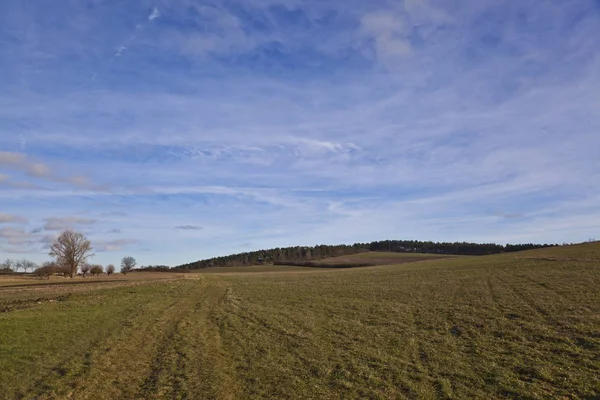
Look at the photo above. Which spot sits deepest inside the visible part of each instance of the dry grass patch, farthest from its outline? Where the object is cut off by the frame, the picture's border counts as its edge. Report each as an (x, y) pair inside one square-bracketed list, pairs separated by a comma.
[(382, 258)]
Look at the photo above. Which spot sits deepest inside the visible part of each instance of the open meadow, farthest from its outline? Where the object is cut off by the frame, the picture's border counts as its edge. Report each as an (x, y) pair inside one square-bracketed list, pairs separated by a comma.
[(522, 325), (381, 258)]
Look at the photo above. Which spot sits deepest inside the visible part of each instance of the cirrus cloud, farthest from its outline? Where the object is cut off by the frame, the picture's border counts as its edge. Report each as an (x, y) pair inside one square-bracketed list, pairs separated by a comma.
[(283, 122), (9, 218), (62, 223), (189, 227)]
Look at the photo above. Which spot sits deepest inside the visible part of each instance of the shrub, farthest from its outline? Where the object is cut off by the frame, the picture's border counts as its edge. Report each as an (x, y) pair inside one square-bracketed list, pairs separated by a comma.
[(47, 269), (127, 265), (85, 269), (96, 270)]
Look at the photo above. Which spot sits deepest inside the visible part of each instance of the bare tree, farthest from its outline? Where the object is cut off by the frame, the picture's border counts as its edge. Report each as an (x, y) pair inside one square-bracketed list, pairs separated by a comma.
[(18, 265), (85, 269), (7, 265), (46, 270), (51, 265), (26, 264), (62, 270), (127, 264), (110, 269), (71, 250)]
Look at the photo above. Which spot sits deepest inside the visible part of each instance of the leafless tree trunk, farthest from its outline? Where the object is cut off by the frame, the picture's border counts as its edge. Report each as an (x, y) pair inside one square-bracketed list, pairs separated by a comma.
[(71, 250), (9, 265), (127, 265), (85, 269)]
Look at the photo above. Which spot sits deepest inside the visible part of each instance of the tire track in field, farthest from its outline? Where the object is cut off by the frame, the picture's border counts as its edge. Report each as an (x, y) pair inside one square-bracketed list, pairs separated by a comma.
[(69, 368), (252, 329), (541, 312), (419, 358), (210, 374), (168, 377), (542, 285), (113, 364), (168, 361), (189, 361)]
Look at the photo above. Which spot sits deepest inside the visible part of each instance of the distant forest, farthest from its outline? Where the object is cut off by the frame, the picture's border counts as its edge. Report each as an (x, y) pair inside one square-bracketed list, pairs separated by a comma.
[(304, 254)]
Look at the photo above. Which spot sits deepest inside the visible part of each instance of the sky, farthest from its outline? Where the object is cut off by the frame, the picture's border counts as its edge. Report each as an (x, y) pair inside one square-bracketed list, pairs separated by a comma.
[(179, 130)]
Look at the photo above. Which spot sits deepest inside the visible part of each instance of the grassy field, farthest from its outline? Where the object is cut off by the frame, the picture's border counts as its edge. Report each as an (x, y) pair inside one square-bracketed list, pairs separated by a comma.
[(381, 258), (30, 279), (248, 269), (523, 325)]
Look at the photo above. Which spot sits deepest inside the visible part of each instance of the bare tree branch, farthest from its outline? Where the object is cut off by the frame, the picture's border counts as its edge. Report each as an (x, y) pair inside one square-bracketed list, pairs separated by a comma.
[(71, 250), (127, 264)]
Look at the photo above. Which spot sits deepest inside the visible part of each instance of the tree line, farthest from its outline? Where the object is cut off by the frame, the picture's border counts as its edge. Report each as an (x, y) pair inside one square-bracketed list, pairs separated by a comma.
[(303, 254), (70, 252), (458, 248), (297, 254)]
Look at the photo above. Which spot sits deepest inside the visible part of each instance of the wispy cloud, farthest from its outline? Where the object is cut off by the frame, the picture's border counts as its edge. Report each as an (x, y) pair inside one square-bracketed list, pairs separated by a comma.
[(21, 163), (154, 14), (120, 50), (113, 245), (189, 227), (285, 122), (14, 236), (8, 218), (62, 223), (114, 214), (389, 34)]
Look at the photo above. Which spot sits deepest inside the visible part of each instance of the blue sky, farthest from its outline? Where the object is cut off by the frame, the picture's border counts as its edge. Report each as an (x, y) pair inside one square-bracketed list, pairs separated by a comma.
[(179, 130)]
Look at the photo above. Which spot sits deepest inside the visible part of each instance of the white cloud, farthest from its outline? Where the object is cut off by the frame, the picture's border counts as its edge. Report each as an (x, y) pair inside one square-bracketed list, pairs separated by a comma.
[(155, 14), (389, 34), (120, 50), (320, 146), (301, 122)]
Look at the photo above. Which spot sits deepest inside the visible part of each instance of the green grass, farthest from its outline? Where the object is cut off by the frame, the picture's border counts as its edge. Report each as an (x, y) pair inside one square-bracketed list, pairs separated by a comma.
[(248, 269), (382, 258), (523, 325), (391, 255)]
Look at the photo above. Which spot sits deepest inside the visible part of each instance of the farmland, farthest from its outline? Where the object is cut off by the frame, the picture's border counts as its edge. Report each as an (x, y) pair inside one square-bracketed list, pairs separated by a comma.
[(521, 325), (381, 258)]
